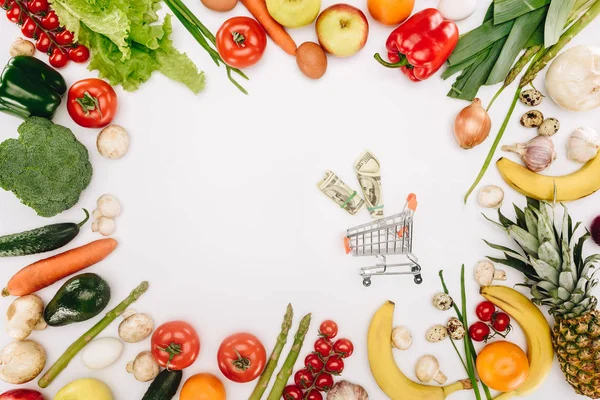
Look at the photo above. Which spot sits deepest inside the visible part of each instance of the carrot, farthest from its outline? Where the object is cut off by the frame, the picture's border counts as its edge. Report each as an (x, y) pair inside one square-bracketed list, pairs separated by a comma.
[(258, 8), (45, 272)]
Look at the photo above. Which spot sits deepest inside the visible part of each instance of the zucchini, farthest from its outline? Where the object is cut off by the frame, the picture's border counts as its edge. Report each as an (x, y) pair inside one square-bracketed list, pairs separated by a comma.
[(40, 240), (80, 298), (164, 386)]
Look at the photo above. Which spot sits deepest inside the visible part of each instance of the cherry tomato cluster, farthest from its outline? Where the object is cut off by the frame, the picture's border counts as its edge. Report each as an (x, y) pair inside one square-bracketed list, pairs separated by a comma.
[(489, 319), (41, 24), (320, 366)]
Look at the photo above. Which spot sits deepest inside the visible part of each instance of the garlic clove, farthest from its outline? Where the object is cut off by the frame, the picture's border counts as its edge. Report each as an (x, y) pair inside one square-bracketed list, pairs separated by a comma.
[(537, 154), (490, 196), (583, 145)]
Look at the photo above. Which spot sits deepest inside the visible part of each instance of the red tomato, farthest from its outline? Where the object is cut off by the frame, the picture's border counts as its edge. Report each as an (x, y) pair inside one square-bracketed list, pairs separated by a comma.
[(323, 347), (13, 13), (64, 38), (314, 363), (92, 103), (334, 365), (314, 394), (292, 392), (38, 6), (242, 357), (324, 382), (21, 394), (343, 347), (304, 379), (175, 345), (241, 42), (485, 310), (50, 21), (59, 58), (328, 329), (43, 42), (79, 54), (29, 28), (501, 321), (479, 331)]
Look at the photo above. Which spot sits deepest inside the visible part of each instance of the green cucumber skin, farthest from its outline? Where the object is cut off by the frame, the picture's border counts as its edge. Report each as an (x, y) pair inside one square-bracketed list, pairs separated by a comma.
[(80, 298), (164, 386)]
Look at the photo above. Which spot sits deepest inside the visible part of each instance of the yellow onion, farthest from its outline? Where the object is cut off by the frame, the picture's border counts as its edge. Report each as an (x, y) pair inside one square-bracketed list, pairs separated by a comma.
[(472, 125)]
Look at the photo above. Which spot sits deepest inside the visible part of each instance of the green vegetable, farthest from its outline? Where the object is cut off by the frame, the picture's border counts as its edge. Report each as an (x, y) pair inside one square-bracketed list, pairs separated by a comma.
[(127, 44), (290, 361), (265, 377), (40, 240), (558, 13), (479, 39), (80, 298), (164, 386), (47, 168), (87, 337), (29, 87), (506, 10)]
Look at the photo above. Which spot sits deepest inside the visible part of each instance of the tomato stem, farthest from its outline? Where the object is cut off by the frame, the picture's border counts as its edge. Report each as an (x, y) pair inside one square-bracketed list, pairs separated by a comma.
[(40, 27), (174, 349), (89, 103), (241, 363), (239, 39)]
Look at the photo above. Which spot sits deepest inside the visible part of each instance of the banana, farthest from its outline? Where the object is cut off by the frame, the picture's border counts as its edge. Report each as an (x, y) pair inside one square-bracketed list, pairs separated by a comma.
[(537, 333), (570, 187), (385, 371)]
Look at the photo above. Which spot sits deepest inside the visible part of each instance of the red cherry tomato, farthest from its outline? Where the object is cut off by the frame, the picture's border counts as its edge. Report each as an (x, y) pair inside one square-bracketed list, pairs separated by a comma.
[(485, 310), (334, 365), (92, 103), (328, 329), (304, 379), (43, 42), (242, 357), (38, 6), (314, 394), (21, 394), (292, 392), (323, 347), (343, 347), (79, 54), (50, 21), (324, 382), (13, 13), (59, 58), (3, 3), (29, 29), (241, 42), (64, 38), (314, 363), (479, 331), (500, 321), (175, 345)]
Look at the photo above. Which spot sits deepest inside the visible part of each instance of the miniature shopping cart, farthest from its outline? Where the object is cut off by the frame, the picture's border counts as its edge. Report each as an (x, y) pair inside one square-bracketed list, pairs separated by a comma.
[(387, 236)]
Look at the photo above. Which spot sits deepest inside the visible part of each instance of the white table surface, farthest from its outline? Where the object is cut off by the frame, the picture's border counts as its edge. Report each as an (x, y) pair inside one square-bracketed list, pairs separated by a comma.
[(222, 216)]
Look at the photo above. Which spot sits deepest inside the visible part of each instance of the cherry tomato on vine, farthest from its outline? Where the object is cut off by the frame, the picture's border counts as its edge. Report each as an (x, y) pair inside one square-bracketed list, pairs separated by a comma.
[(479, 331), (64, 38), (334, 365), (43, 42), (343, 347), (92, 103), (500, 321), (29, 29), (292, 392), (241, 42), (314, 394), (324, 382), (485, 310), (14, 13), (328, 329), (323, 347), (59, 58), (175, 345), (242, 357), (3, 3), (304, 378), (50, 21), (38, 6), (314, 363), (79, 54)]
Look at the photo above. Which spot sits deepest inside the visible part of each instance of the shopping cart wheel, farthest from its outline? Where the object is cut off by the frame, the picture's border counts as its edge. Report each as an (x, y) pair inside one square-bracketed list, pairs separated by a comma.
[(367, 282), (418, 279)]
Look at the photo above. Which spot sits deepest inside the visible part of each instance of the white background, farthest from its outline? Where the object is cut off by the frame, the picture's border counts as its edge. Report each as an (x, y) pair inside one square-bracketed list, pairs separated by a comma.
[(222, 216)]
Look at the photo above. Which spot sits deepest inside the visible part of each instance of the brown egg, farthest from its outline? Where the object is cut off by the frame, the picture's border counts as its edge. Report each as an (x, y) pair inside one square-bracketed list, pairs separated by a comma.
[(220, 5), (311, 60)]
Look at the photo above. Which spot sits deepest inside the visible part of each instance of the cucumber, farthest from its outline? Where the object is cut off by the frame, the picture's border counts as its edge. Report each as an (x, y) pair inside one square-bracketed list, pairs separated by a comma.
[(40, 240), (164, 386), (79, 299)]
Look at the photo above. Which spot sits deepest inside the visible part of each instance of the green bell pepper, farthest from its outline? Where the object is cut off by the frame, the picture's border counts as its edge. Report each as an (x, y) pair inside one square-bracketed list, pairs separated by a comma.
[(29, 87)]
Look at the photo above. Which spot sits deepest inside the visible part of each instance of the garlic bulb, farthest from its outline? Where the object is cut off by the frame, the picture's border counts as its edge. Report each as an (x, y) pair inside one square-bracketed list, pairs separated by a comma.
[(344, 390), (537, 154), (583, 145), (573, 79)]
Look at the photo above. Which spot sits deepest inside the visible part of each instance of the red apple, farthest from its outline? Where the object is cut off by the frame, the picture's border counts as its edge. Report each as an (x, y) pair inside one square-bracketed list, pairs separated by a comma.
[(21, 394), (342, 30)]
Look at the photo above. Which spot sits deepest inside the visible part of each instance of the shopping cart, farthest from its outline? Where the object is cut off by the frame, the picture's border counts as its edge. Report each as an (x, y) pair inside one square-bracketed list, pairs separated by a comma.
[(391, 235)]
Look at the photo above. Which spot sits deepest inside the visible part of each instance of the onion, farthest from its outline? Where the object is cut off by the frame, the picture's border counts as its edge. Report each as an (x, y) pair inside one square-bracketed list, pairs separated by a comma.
[(472, 125)]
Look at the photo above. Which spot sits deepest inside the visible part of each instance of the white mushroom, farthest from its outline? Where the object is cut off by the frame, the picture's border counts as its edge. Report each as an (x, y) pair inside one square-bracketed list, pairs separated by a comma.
[(95, 226), (442, 301), (486, 273), (136, 328), (21, 47), (428, 369), (108, 206), (96, 214), (490, 196), (128, 313), (113, 142), (401, 338), (23, 316), (436, 333), (144, 368), (21, 361), (106, 226), (456, 329)]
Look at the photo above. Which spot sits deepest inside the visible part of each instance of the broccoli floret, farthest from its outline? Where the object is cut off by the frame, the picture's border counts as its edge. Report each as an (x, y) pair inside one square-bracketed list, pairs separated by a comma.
[(47, 168)]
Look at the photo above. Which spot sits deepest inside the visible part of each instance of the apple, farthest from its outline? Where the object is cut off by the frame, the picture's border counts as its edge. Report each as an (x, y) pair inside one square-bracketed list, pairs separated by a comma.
[(342, 30), (294, 13), (21, 394)]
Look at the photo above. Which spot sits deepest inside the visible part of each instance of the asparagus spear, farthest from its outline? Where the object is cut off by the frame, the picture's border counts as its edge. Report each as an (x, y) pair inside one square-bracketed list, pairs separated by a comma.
[(87, 337), (265, 377), (288, 366)]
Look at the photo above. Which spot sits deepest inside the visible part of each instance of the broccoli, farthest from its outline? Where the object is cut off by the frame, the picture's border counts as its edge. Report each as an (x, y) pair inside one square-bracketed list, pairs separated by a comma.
[(47, 168)]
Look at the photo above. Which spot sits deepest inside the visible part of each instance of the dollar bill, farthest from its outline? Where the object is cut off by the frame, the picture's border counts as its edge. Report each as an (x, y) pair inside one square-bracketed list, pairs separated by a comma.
[(338, 191), (368, 172)]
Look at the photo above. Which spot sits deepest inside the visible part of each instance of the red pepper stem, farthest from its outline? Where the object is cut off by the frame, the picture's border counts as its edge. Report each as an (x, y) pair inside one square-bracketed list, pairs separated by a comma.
[(403, 61)]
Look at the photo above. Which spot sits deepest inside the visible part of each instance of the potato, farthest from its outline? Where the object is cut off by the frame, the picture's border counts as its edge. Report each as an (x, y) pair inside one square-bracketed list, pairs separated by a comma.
[(85, 389), (21, 361), (220, 5), (311, 60)]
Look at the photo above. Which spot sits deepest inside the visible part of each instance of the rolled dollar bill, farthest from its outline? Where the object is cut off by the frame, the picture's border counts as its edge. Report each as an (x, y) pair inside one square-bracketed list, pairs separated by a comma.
[(368, 172), (338, 191)]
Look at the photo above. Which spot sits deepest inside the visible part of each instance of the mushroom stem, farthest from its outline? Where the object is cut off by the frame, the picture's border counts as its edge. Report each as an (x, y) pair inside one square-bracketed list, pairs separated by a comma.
[(440, 378)]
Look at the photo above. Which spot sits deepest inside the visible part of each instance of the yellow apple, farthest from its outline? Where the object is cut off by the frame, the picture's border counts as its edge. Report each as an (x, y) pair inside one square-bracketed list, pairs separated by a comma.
[(85, 389), (294, 13), (342, 30)]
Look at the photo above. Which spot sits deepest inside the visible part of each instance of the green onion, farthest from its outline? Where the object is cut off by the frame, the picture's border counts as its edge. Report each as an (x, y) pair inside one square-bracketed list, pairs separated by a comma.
[(454, 69), (507, 10), (558, 13), (479, 39)]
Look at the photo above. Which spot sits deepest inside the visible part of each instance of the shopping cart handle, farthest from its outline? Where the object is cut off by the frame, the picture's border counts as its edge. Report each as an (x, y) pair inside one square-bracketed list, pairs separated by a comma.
[(347, 245), (411, 202)]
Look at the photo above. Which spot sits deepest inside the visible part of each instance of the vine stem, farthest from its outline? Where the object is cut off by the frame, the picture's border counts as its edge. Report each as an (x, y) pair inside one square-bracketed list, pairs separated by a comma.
[(39, 26)]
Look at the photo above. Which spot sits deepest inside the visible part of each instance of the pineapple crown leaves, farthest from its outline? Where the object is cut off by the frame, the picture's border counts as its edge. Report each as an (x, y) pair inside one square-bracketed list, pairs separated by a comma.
[(551, 259)]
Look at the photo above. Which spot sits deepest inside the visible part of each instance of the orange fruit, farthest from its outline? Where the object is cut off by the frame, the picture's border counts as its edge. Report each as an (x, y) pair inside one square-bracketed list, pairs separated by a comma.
[(203, 387), (502, 366), (390, 12)]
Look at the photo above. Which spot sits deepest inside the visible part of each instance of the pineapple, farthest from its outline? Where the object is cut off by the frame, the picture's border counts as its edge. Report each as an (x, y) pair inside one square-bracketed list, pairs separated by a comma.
[(560, 278)]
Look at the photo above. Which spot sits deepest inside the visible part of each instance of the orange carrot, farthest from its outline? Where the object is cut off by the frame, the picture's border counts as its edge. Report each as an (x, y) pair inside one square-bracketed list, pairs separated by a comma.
[(258, 8), (45, 272)]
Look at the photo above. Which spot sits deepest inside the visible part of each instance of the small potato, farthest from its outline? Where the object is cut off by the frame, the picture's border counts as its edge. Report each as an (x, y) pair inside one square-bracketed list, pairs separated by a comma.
[(21, 361), (311, 60), (136, 328), (220, 5)]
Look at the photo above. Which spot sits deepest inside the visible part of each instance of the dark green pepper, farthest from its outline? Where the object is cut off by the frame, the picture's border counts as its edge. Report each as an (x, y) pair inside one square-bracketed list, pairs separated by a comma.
[(29, 87)]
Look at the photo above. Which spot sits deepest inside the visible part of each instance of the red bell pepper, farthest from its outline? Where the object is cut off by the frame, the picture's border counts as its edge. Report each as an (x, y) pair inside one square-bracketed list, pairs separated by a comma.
[(421, 45)]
